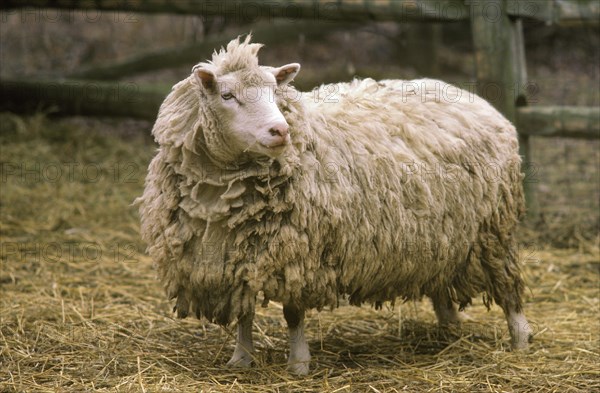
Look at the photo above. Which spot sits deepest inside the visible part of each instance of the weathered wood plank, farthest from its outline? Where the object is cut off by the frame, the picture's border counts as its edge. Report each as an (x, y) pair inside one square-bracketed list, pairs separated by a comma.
[(501, 72), (559, 121), (251, 11), (79, 97), (576, 11), (496, 58), (560, 12)]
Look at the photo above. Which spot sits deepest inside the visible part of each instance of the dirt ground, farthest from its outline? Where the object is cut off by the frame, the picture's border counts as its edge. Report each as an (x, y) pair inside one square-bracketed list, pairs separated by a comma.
[(81, 309)]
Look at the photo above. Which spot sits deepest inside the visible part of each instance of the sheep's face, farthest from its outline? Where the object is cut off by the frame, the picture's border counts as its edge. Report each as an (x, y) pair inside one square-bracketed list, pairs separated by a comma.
[(244, 104)]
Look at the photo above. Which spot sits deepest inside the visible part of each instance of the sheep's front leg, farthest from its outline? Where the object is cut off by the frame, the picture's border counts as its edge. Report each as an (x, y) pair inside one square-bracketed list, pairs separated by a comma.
[(521, 333), (299, 358), (445, 309), (244, 349)]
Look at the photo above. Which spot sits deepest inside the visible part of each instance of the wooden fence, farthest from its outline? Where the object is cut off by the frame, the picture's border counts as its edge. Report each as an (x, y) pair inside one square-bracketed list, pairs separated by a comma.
[(496, 27)]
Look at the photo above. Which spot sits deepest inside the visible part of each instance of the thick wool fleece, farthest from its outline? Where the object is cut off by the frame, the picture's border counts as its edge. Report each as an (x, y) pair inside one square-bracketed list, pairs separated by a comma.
[(387, 190)]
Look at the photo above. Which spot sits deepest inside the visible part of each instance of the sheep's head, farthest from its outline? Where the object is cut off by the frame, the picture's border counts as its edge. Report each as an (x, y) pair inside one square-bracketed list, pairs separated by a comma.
[(241, 97)]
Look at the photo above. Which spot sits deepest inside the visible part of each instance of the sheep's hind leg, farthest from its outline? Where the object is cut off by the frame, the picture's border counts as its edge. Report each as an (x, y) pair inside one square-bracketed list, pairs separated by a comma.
[(445, 309), (299, 359), (508, 295), (244, 349), (521, 333)]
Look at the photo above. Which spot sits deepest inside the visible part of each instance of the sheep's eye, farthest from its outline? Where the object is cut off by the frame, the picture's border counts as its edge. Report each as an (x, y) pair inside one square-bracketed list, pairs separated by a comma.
[(227, 96)]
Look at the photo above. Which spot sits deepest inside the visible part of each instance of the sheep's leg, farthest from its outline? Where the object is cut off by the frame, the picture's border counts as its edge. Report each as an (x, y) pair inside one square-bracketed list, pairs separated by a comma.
[(445, 309), (508, 295), (521, 333), (299, 358), (244, 349)]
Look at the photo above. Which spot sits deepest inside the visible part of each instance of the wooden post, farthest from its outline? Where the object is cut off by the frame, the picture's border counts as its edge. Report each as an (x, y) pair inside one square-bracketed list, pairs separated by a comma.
[(423, 47), (502, 74)]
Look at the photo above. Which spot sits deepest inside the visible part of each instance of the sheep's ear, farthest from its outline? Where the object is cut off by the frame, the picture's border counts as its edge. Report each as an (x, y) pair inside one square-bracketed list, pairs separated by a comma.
[(205, 77), (286, 73)]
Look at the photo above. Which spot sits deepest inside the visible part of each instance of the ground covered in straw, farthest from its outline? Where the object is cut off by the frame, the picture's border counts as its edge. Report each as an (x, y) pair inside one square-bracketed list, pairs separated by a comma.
[(81, 309)]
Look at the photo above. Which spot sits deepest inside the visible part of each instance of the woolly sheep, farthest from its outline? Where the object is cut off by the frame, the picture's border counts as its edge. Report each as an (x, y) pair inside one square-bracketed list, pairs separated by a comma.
[(366, 190)]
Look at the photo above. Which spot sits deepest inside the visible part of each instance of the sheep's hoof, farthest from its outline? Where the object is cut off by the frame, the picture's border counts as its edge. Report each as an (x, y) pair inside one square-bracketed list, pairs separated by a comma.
[(521, 338), (522, 341), (464, 317), (449, 323), (454, 319), (240, 360), (298, 367), (448, 316)]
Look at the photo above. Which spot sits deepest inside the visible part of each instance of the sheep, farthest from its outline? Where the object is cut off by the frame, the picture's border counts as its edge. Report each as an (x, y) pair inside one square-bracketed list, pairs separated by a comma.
[(367, 190)]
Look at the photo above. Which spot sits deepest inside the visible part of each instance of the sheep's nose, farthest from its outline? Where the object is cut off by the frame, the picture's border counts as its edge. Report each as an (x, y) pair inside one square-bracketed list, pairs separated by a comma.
[(279, 130)]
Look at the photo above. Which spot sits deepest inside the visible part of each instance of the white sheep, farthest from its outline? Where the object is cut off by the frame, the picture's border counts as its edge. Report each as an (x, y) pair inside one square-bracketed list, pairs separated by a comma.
[(370, 190)]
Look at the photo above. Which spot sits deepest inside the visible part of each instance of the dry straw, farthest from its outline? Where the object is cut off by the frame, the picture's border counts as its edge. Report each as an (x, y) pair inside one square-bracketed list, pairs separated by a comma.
[(82, 311)]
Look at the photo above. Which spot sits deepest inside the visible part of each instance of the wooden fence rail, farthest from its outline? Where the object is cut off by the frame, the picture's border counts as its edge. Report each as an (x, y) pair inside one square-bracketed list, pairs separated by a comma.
[(559, 121), (81, 97), (127, 99), (251, 10), (551, 11)]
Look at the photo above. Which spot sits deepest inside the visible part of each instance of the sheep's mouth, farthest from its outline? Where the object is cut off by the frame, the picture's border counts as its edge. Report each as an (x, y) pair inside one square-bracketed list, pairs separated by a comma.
[(275, 145)]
